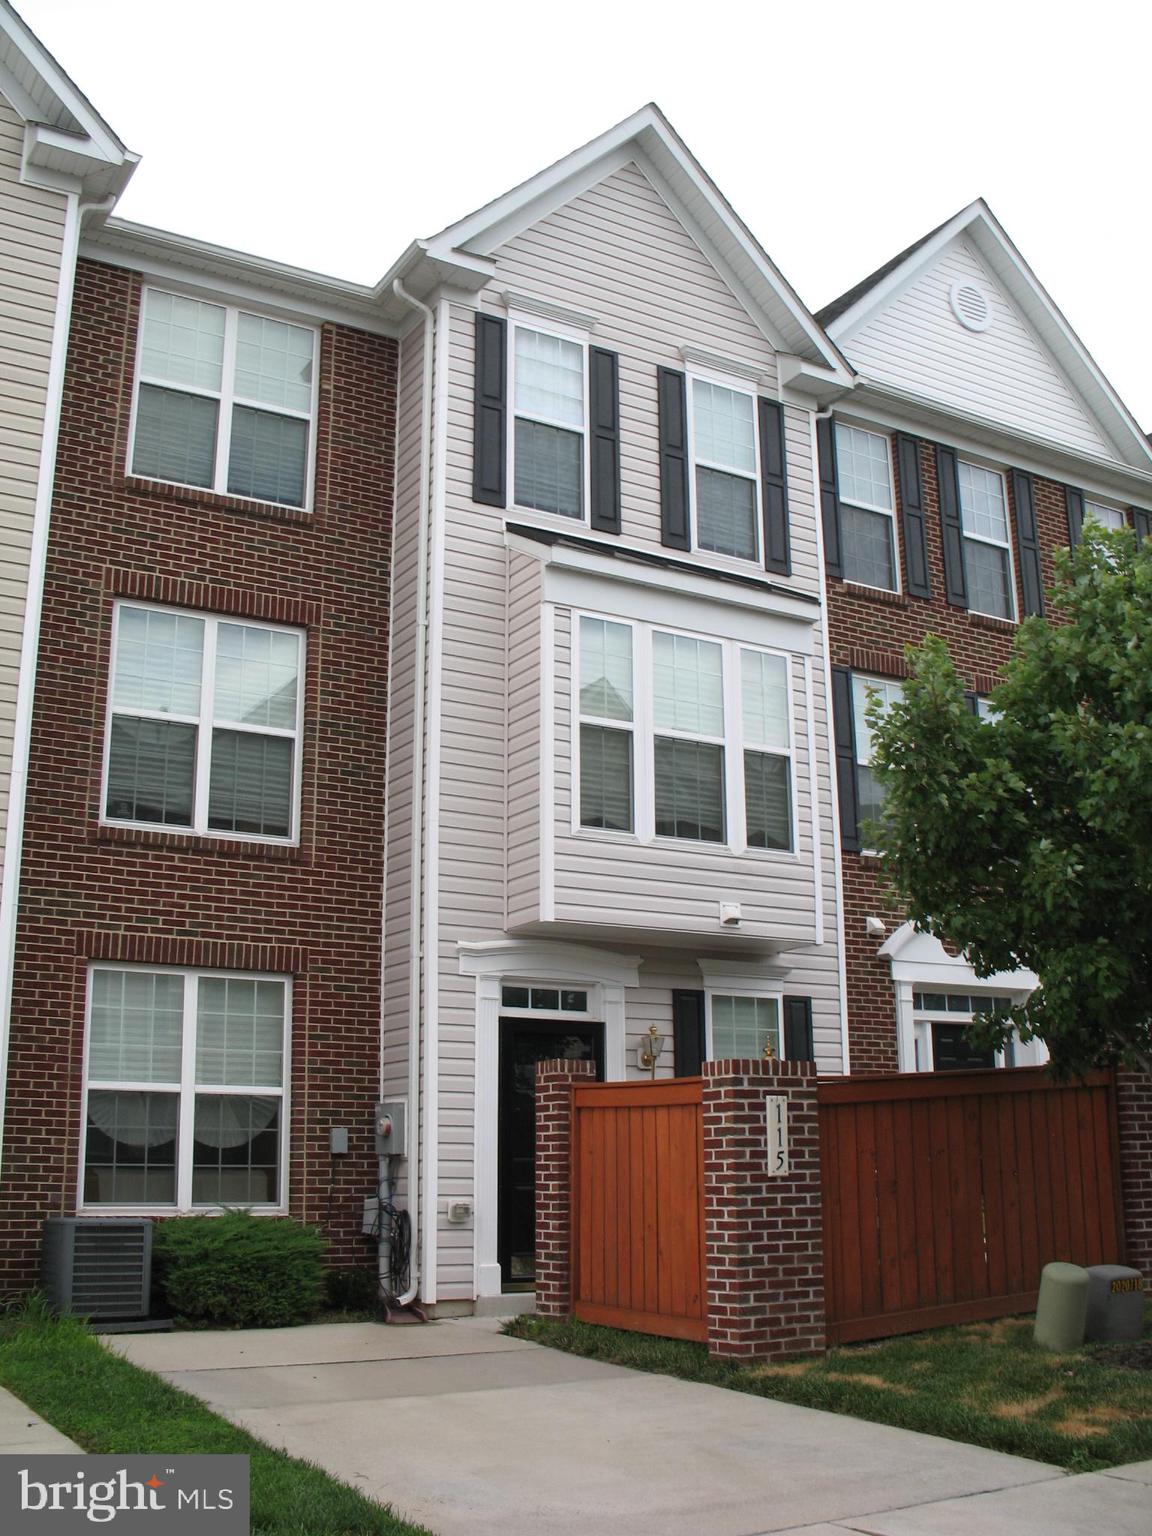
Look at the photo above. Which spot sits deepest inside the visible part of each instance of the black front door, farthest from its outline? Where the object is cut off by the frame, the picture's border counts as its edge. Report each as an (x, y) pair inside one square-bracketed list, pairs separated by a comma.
[(523, 1043), (953, 1051)]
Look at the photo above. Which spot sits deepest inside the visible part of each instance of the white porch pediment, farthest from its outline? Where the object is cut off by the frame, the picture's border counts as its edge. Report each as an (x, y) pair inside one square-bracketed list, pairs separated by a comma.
[(921, 958)]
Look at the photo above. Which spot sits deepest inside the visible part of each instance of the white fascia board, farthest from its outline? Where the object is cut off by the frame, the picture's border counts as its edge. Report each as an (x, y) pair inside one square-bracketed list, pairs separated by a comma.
[(547, 960), (236, 275), (894, 409), (978, 224), (674, 582), (58, 84), (649, 140)]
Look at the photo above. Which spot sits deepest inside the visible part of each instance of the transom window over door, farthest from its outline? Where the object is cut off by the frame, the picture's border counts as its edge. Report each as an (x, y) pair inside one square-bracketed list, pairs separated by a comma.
[(204, 724), (224, 400), (701, 749), (987, 546), (550, 404), (867, 515), (184, 1090), (726, 470)]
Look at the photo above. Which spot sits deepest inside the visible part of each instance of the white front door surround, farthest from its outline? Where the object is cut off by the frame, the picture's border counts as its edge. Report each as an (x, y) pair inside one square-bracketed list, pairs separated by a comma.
[(494, 963)]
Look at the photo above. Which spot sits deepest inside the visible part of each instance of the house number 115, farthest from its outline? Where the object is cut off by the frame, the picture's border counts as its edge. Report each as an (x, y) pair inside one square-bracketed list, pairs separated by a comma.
[(777, 1104)]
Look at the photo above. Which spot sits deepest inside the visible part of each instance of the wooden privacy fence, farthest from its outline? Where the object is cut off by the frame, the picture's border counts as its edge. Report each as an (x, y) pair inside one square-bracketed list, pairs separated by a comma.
[(638, 1206), (944, 1195)]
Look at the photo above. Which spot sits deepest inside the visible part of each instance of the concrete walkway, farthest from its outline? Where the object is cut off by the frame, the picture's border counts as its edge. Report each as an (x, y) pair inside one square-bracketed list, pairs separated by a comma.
[(473, 1434), (24, 1433)]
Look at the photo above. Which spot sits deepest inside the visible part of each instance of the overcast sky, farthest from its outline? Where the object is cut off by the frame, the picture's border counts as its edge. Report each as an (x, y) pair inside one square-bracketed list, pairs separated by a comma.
[(330, 135)]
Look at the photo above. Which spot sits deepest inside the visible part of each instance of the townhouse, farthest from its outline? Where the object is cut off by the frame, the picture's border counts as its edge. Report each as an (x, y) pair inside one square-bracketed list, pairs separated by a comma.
[(444, 675), (978, 436)]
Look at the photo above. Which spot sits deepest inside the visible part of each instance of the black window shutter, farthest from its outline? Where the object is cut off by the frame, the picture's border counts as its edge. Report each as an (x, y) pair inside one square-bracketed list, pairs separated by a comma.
[(1142, 522), (845, 736), (687, 1033), (604, 448), (829, 497), (916, 575), (774, 477), (673, 402), (1075, 503), (798, 1042), (1028, 541), (955, 581), (973, 702), (490, 412)]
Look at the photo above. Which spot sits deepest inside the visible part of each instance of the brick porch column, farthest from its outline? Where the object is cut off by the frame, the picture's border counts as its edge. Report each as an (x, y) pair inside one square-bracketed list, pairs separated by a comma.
[(1134, 1113), (763, 1232), (554, 1081)]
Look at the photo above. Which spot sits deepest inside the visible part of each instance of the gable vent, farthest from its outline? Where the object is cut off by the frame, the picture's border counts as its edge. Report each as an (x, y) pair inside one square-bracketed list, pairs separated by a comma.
[(970, 306)]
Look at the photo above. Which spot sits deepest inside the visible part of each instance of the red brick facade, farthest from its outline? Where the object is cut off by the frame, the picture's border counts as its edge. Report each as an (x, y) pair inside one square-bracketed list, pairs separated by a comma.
[(1134, 1112), (868, 632), (88, 892)]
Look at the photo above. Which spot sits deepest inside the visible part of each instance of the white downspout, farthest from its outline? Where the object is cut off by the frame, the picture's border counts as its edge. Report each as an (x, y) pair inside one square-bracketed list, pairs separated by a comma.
[(416, 885), (33, 609)]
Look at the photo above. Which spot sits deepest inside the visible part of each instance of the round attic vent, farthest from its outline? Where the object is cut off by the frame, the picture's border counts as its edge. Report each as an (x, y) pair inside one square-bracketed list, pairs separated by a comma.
[(970, 306)]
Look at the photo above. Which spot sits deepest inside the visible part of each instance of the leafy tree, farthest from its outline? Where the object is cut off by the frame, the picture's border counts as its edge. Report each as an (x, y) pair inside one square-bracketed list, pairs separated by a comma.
[(1026, 839)]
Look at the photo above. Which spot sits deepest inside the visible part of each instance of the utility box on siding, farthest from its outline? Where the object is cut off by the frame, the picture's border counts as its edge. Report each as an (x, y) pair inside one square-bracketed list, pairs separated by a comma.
[(1115, 1302)]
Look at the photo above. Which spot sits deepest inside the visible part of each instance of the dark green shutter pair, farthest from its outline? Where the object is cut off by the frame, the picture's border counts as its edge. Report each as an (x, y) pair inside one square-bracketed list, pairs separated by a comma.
[(672, 389), (913, 530), (490, 425), (688, 1031)]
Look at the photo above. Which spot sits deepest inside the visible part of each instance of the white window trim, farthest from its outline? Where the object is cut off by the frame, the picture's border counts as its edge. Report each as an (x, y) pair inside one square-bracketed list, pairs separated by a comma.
[(544, 326), (738, 386), (644, 732), (979, 538), (186, 1092), (205, 723), (729, 978), (867, 506), (227, 397)]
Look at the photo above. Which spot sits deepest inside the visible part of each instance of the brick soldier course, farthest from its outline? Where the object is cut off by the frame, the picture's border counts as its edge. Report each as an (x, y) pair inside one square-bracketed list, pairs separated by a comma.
[(159, 897)]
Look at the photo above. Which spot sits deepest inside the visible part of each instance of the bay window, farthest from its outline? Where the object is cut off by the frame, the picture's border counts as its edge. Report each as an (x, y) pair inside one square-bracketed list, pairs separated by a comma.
[(681, 736), (184, 1089), (203, 724), (225, 400)]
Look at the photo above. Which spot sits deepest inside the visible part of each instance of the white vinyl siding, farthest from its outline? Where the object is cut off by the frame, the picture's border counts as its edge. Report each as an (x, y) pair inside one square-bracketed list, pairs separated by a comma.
[(225, 399), (867, 503), (1004, 374), (203, 724), (184, 1097), (987, 542)]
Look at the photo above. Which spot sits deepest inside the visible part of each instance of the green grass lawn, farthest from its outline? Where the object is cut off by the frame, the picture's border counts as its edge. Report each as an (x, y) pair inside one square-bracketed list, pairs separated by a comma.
[(987, 1384), (108, 1405)]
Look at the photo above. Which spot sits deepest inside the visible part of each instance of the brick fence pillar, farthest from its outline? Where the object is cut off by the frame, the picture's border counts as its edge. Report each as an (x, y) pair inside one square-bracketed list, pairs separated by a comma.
[(554, 1080), (764, 1233), (1134, 1112)]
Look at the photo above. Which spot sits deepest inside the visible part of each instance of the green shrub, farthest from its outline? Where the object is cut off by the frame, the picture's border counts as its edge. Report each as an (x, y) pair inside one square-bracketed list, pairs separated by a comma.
[(240, 1270), (353, 1290)]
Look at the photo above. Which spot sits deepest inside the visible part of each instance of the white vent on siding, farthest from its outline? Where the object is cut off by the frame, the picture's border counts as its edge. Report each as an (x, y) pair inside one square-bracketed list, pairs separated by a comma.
[(970, 306)]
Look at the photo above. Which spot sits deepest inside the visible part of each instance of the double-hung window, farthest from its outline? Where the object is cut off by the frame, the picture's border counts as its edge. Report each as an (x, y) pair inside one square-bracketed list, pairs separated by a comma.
[(869, 790), (726, 470), (987, 545), (550, 405), (225, 400), (682, 736), (204, 724), (867, 508), (1110, 518), (184, 1089)]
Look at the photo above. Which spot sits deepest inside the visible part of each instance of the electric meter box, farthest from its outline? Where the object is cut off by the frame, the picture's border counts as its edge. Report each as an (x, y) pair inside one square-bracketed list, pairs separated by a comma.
[(1115, 1302), (392, 1128)]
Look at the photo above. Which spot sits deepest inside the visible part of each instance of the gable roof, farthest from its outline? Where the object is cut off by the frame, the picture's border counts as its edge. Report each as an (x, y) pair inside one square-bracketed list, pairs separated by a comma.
[(66, 141), (462, 253), (846, 316)]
